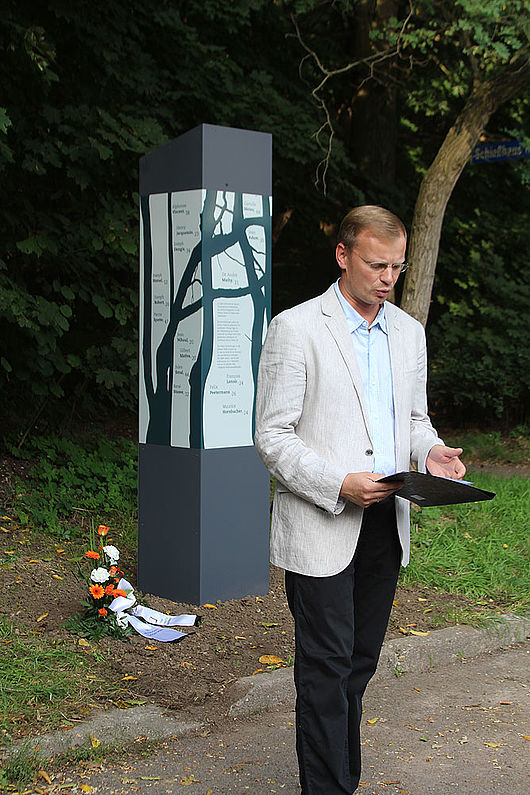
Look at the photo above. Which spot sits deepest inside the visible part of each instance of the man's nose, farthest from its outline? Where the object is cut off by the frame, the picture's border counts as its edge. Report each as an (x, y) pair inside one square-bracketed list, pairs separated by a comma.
[(387, 275)]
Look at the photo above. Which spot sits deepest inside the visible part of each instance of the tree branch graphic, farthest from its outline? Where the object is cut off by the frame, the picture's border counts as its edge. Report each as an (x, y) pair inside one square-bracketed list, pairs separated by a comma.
[(159, 395)]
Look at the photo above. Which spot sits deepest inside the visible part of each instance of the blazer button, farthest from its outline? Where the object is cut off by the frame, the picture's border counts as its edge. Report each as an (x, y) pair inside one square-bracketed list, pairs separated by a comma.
[(368, 452)]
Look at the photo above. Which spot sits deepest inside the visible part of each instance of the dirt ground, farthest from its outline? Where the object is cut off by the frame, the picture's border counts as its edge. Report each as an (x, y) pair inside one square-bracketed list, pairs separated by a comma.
[(194, 675)]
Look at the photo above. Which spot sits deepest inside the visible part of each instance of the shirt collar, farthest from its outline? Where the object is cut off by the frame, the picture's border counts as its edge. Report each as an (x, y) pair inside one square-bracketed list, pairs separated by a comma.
[(354, 319)]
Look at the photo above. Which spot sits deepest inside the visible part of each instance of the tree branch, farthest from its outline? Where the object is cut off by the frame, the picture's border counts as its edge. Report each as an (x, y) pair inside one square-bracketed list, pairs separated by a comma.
[(370, 61)]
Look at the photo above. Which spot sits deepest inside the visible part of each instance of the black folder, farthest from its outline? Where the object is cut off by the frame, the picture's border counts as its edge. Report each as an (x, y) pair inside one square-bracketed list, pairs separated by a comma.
[(428, 490)]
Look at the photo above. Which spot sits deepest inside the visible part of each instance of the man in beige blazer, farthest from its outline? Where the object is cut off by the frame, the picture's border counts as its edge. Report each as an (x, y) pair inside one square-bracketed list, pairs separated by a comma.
[(341, 401)]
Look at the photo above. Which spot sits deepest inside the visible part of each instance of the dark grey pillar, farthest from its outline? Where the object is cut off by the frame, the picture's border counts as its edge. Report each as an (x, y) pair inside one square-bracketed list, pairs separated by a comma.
[(203, 528)]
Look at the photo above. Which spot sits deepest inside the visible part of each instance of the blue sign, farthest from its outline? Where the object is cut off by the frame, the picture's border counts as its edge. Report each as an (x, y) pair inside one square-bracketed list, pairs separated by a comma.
[(496, 151)]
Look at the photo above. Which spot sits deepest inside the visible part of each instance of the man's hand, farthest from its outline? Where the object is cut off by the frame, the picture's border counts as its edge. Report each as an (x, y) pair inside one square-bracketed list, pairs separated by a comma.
[(364, 489), (444, 461)]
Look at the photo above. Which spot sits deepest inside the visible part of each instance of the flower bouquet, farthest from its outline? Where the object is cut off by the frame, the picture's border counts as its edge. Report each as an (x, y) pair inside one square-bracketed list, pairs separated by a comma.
[(103, 588), (111, 607)]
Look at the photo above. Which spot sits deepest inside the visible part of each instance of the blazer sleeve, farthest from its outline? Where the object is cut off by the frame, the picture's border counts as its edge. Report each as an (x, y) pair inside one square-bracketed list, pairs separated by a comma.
[(279, 404)]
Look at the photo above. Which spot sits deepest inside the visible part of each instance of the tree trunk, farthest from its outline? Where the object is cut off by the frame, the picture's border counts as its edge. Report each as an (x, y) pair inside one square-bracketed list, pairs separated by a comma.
[(441, 177), (371, 117)]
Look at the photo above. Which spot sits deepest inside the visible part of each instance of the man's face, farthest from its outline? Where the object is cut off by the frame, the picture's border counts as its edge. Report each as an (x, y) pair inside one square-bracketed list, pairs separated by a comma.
[(364, 282)]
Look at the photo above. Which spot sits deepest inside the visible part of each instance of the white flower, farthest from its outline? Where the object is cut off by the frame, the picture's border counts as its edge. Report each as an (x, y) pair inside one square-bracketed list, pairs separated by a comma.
[(99, 575), (112, 553), (121, 619)]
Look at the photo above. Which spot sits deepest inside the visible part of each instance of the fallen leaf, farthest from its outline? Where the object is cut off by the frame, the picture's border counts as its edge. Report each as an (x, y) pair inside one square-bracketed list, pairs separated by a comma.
[(83, 642), (403, 630), (59, 551), (94, 742), (259, 599), (40, 618), (212, 607), (32, 560), (87, 788), (128, 781), (270, 659), (150, 778), (257, 671), (57, 577), (43, 774), (418, 689), (493, 745), (395, 603), (240, 637), (185, 781), (268, 624), (421, 599), (421, 634), (527, 736), (127, 678), (372, 721), (151, 648)]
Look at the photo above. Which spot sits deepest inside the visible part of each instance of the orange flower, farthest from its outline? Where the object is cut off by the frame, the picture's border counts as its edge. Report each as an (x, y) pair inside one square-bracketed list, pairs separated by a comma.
[(96, 591), (103, 530), (113, 570), (93, 555), (119, 592), (108, 590), (102, 611)]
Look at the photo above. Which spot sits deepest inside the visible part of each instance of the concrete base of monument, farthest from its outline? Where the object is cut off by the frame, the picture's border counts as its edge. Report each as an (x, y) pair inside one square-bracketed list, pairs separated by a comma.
[(203, 523)]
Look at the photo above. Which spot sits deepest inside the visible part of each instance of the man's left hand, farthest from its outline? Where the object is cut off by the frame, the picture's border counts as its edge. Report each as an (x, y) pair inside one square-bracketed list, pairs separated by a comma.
[(444, 462)]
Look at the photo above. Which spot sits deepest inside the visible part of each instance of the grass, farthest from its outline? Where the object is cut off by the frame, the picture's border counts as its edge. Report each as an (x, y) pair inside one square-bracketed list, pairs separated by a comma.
[(492, 447), (42, 682), (20, 769), (479, 550)]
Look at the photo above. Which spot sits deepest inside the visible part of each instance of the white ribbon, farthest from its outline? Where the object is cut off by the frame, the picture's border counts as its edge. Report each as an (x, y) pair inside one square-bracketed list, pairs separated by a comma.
[(159, 626)]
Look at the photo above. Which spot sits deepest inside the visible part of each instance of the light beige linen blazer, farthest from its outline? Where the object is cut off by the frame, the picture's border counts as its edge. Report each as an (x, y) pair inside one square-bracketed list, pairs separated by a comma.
[(312, 429)]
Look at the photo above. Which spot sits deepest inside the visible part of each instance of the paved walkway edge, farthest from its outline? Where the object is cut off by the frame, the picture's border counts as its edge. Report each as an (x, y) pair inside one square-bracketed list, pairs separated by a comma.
[(411, 654), (264, 691)]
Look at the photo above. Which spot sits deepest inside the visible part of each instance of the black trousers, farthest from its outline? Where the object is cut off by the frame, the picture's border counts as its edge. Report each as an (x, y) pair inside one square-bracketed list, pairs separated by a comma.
[(340, 624)]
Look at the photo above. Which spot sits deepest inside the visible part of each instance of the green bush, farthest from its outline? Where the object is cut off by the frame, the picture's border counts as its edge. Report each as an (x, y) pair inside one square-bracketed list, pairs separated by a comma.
[(69, 479)]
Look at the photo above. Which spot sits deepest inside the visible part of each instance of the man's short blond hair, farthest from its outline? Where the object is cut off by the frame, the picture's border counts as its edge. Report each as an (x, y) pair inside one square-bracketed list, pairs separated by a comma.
[(378, 220)]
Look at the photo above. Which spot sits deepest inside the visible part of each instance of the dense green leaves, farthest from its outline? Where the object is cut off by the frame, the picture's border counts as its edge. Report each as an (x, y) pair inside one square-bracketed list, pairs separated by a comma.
[(87, 88)]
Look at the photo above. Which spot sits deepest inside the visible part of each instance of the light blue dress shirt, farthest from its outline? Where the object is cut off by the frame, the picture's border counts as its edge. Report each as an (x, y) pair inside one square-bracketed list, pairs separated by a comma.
[(373, 358)]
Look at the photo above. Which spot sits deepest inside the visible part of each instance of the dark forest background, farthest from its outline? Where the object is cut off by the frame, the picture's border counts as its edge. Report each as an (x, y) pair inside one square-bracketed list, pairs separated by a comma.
[(89, 87)]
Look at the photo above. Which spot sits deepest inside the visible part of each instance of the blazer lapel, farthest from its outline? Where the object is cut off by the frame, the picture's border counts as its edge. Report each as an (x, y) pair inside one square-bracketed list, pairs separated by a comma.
[(336, 323)]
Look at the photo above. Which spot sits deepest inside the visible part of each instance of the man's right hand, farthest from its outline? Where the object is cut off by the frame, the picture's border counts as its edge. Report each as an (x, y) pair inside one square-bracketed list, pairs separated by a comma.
[(364, 488)]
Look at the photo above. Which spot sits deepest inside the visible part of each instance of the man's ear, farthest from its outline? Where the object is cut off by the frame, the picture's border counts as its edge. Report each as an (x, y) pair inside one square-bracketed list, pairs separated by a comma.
[(341, 253)]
